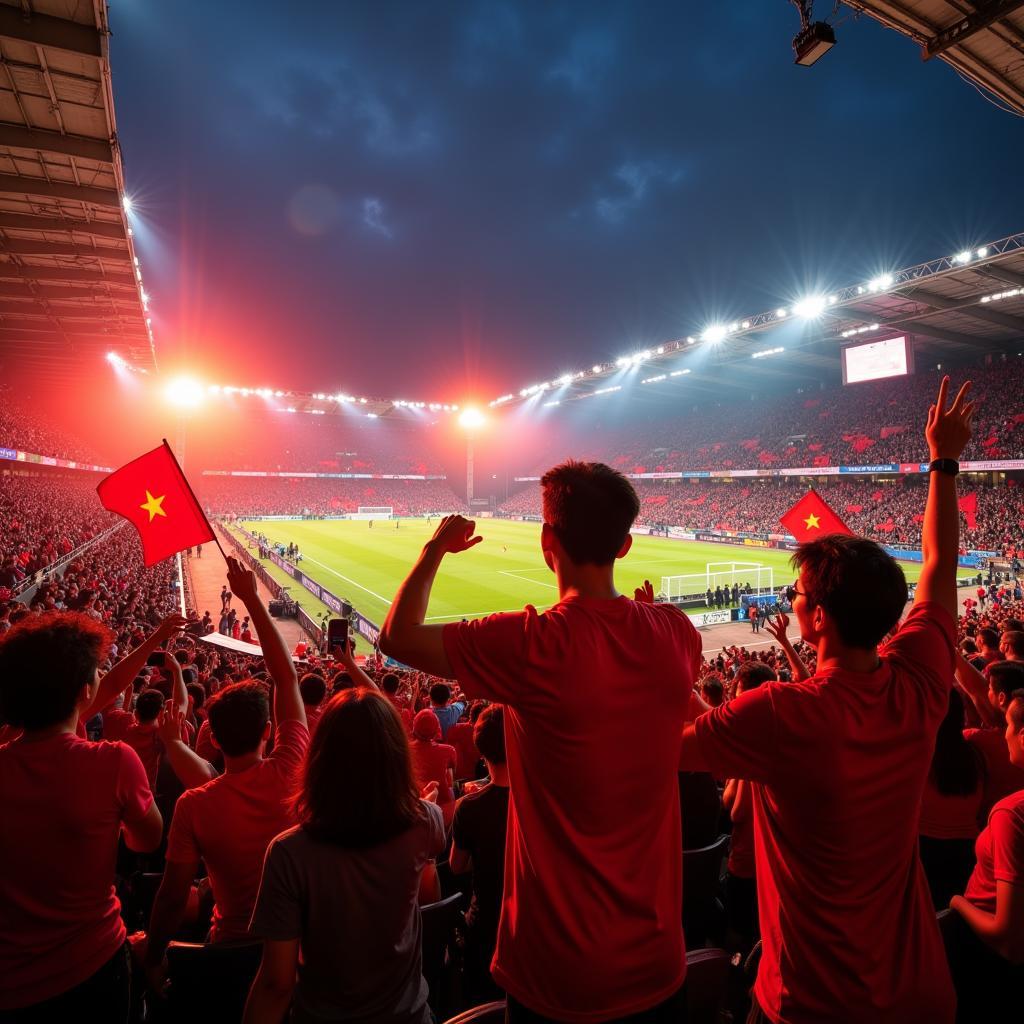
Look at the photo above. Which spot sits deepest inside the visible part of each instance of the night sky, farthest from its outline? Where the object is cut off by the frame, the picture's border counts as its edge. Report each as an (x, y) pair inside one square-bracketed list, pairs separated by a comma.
[(450, 200)]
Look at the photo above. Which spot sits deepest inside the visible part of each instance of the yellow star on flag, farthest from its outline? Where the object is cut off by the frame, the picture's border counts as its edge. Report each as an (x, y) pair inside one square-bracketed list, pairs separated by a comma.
[(154, 506), (811, 522)]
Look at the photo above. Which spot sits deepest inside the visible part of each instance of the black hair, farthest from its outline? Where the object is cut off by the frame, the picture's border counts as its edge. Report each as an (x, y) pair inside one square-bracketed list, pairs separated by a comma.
[(238, 715), (862, 588), (440, 693), (148, 705), (590, 507), (489, 733)]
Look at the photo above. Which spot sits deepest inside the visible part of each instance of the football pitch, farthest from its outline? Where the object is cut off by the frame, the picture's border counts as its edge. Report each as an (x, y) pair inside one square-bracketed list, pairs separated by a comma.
[(365, 565)]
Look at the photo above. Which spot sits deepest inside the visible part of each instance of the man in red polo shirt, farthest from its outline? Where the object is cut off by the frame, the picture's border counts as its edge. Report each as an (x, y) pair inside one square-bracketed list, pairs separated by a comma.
[(838, 764), (595, 692)]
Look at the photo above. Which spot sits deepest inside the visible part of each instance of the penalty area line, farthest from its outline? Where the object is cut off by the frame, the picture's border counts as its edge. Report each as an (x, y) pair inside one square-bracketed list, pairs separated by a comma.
[(526, 579), (306, 558)]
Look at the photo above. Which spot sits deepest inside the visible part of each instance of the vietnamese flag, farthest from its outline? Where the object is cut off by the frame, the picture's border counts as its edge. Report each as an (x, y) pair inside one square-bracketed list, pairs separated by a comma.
[(152, 493), (969, 506), (811, 518)]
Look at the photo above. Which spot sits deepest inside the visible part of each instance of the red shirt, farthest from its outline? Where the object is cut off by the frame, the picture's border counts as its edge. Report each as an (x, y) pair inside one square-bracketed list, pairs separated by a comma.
[(1002, 776), (430, 763), (595, 694), (229, 822), (741, 843), (63, 802), (1000, 853), (841, 761), (460, 736), (116, 723), (145, 741)]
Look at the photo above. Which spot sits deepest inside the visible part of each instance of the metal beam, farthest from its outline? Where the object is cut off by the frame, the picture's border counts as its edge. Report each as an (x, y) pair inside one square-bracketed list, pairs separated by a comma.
[(24, 221), (15, 184), (40, 247), (28, 326), (23, 25), (971, 309), (59, 337), (17, 136), (940, 334), (1010, 277), (103, 314), (63, 293), (987, 12), (64, 274)]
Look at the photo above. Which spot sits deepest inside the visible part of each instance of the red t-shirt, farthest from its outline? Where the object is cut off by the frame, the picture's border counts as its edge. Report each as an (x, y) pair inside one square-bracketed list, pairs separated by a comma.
[(116, 723), (841, 760), (1002, 776), (595, 694), (1000, 853), (430, 763), (460, 736), (313, 714), (63, 802), (229, 822), (741, 843), (145, 741)]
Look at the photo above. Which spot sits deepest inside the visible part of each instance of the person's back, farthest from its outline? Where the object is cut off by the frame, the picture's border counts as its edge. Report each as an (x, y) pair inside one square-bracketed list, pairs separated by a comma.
[(595, 692)]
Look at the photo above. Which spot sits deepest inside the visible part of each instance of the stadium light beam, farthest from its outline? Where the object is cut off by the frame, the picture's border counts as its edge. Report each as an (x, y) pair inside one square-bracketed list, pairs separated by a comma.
[(471, 419), (183, 392), (810, 307)]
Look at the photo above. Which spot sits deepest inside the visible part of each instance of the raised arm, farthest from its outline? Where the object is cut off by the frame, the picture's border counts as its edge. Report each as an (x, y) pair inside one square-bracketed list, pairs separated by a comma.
[(288, 704), (405, 635), (976, 687), (123, 674), (947, 433), (346, 656), (191, 769)]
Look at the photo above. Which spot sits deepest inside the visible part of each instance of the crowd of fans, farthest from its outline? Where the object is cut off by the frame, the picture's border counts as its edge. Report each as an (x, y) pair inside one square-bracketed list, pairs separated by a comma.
[(255, 496), (44, 517), (891, 512), (24, 428)]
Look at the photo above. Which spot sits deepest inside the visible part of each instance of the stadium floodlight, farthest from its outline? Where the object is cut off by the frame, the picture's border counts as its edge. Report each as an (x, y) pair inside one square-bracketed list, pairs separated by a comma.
[(183, 392), (660, 350), (565, 379), (690, 339), (745, 325), (471, 419), (114, 359), (962, 257), (623, 361), (678, 373), (767, 352), (214, 389), (126, 202), (982, 252), (879, 284), (714, 334), (547, 405), (781, 313), (810, 307)]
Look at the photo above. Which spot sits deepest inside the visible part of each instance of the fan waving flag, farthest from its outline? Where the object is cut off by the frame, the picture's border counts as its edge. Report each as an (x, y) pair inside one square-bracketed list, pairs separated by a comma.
[(152, 493), (811, 518)]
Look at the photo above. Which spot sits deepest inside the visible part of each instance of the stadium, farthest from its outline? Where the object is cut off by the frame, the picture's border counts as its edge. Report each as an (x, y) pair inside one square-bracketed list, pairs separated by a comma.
[(498, 523)]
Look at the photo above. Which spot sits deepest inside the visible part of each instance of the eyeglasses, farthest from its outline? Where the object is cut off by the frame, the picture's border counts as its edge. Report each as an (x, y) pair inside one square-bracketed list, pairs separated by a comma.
[(792, 592)]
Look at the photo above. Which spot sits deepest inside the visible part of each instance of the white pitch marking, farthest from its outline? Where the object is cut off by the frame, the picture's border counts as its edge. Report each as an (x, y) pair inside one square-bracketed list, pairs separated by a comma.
[(473, 615), (307, 558), (526, 579)]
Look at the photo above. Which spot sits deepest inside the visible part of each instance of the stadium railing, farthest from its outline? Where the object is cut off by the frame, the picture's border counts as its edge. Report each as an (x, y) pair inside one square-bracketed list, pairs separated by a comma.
[(26, 589)]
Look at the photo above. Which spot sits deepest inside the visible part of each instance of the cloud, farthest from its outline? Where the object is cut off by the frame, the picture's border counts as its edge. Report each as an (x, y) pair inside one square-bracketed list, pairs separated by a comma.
[(631, 184), (373, 217), (588, 60)]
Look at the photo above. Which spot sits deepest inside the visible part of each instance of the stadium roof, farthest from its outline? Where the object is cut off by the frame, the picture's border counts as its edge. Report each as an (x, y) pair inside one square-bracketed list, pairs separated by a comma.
[(70, 284), (983, 40)]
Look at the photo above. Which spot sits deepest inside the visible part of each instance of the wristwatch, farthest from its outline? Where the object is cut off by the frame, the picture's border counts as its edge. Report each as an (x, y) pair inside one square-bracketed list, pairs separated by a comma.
[(950, 466)]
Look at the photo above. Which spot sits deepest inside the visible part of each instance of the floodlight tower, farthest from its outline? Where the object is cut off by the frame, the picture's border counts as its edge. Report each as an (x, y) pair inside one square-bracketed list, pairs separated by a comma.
[(471, 420)]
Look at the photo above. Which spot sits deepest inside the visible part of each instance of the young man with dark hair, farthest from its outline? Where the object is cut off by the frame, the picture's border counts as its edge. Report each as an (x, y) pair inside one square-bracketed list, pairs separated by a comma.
[(478, 845), (595, 692), (65, 803), (228, 822), (839, 763), (447, 714), (313, 689), (992, 697)]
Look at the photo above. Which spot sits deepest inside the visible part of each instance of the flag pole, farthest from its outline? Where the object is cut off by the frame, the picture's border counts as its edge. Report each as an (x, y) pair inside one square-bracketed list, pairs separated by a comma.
[(216, 539)]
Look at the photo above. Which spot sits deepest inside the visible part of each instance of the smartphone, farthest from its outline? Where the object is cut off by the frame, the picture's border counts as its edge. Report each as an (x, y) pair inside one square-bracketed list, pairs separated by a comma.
[(337, 633)]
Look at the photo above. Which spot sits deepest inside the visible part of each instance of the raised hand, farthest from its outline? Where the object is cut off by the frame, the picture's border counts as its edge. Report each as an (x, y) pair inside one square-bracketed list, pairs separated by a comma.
[(644, 594), (455, 534), (948, 430), (429, 792), (777, 626), (172, 624), (170, 724), (242, 581)]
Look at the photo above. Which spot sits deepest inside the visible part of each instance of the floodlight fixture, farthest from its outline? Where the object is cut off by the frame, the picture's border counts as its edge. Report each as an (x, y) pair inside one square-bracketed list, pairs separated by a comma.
[(781, 313), (471, 419), (963, 257), (114, 359), (814, 39), (982, 252), (811, 307), (714, 334), (183, 392), (126, 202)]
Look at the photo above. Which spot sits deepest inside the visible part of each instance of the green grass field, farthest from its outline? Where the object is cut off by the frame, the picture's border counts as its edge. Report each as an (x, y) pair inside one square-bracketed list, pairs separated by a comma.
[(365, 566)]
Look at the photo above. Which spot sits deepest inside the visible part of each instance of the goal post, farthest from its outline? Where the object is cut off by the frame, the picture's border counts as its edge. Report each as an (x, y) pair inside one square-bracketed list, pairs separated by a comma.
[(694, 586), (373, 512)]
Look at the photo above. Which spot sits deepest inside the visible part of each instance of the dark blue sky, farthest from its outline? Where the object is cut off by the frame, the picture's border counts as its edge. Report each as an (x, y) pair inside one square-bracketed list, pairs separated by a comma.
[(428, 200)]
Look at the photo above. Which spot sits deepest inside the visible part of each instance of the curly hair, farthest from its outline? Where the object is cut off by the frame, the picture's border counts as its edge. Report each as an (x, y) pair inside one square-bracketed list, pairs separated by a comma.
[(45, 662)]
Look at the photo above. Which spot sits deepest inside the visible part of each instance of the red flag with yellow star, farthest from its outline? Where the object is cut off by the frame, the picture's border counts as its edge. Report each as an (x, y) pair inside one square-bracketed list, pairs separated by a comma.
[(811, 518), (152, 493)]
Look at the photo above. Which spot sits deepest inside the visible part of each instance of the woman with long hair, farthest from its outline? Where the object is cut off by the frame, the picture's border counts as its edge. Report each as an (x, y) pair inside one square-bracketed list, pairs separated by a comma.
[(342, 886), (951, 807)]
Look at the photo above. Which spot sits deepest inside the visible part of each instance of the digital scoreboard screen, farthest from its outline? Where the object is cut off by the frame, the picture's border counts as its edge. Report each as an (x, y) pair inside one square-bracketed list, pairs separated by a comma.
[(877, 360)]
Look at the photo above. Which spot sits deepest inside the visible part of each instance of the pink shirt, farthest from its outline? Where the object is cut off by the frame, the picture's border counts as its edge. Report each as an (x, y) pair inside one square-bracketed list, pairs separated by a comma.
[(63, 801), (229, 822)]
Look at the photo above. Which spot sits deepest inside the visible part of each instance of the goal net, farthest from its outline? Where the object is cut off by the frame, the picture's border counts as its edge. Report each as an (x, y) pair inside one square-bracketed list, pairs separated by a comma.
[(373, 512), (694, 586)]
